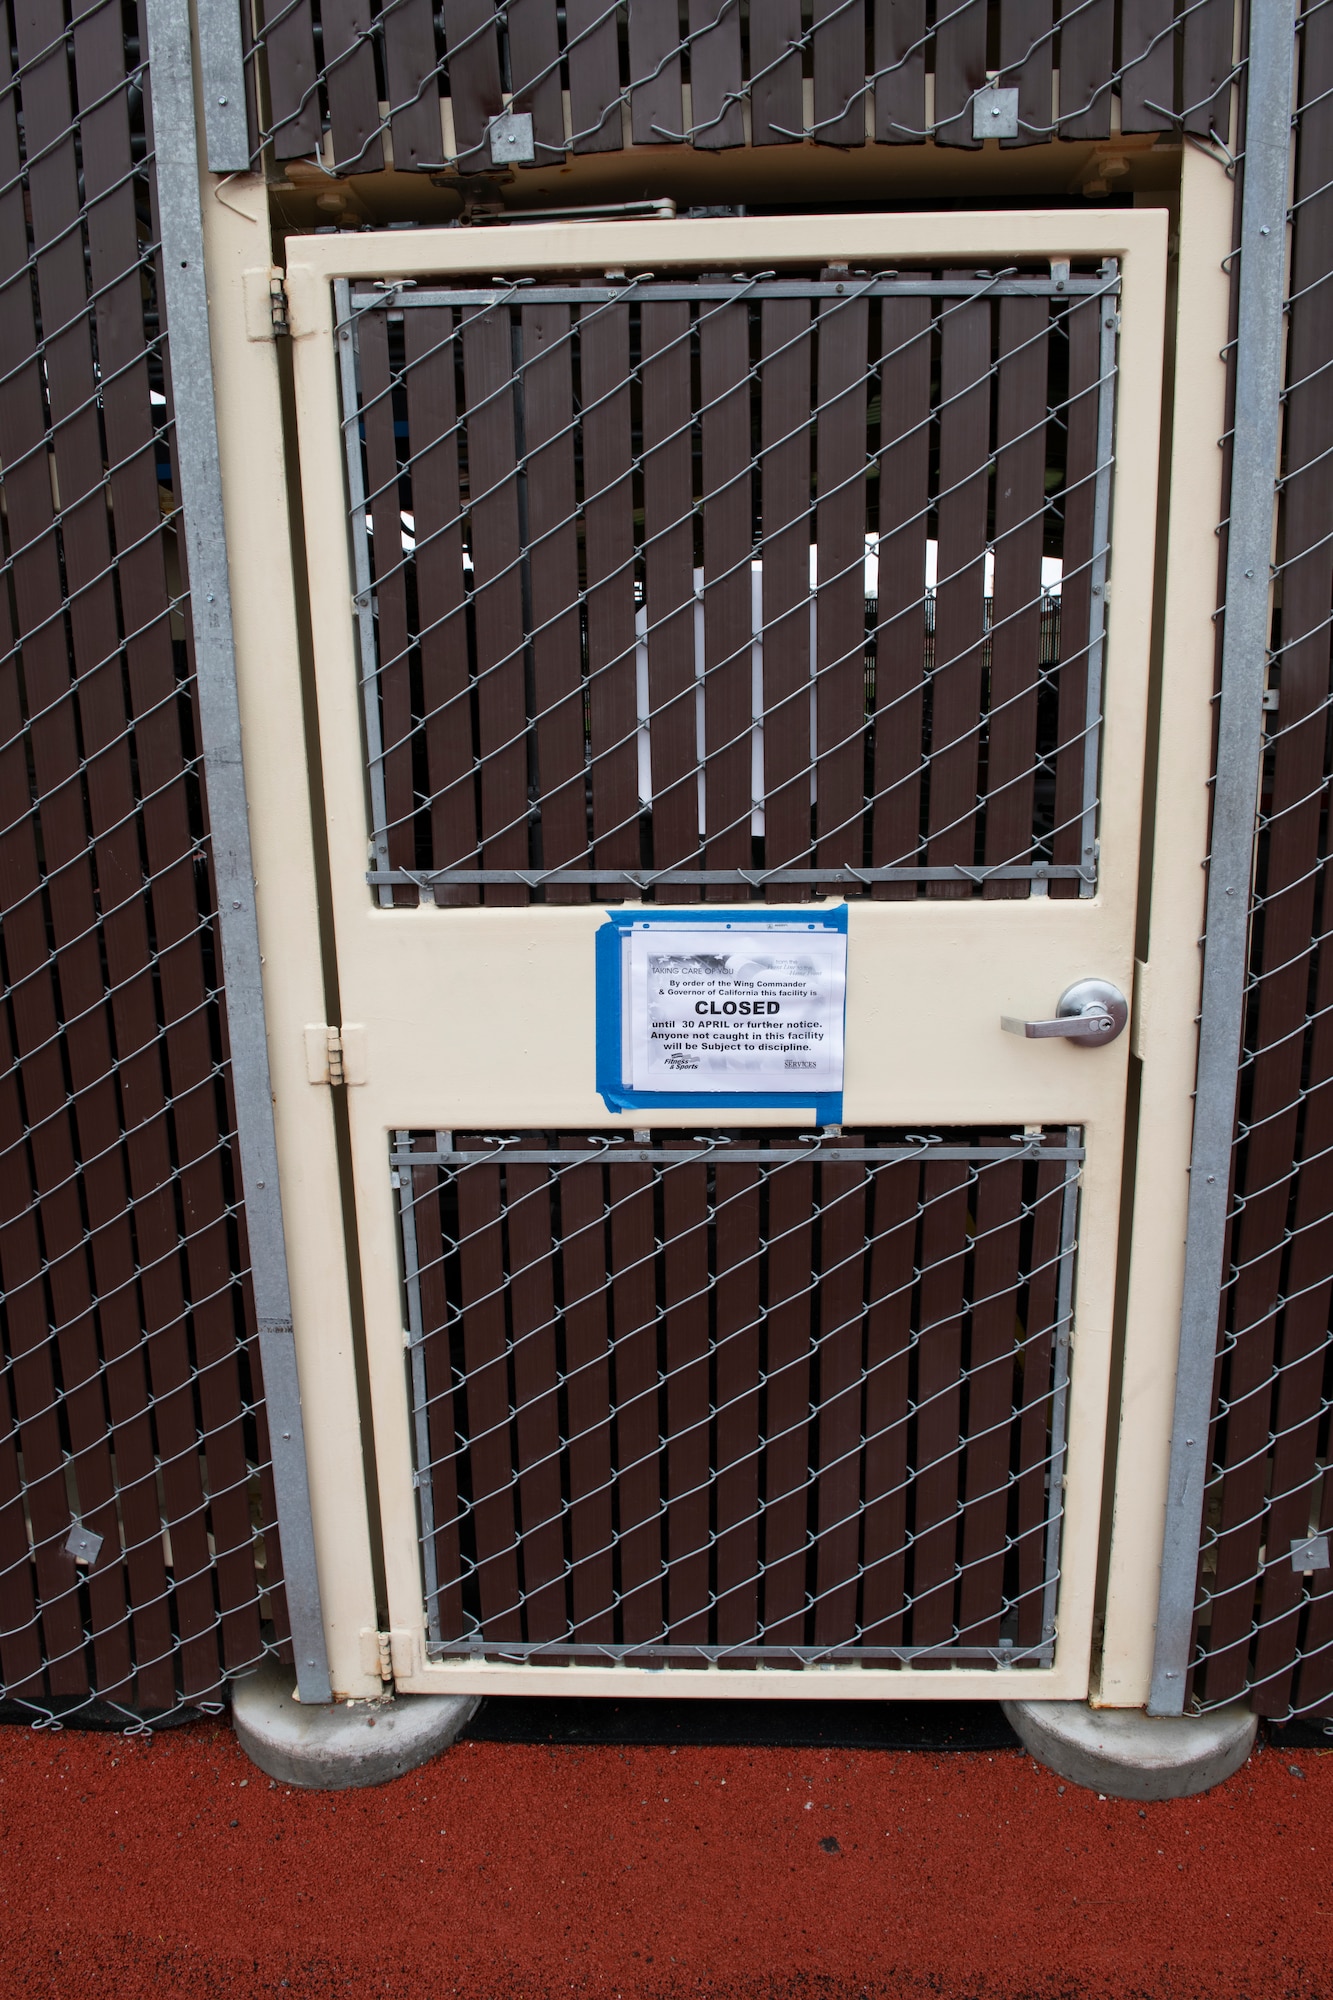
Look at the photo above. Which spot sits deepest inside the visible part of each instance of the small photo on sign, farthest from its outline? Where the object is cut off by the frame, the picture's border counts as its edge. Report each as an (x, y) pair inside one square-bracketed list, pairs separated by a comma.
[(759, 1011)]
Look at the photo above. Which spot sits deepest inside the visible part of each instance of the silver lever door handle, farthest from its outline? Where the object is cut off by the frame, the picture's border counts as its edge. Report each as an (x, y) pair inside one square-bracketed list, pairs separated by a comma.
[(1091, 1013)]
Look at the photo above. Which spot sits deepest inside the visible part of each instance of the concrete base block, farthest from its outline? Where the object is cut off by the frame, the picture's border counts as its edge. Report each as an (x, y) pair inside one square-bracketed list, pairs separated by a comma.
[(333, 1749), (1129, 1755)]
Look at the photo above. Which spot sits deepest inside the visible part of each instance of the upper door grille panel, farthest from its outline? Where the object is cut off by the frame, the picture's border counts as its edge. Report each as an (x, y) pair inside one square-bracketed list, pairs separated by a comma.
[(732, 587)]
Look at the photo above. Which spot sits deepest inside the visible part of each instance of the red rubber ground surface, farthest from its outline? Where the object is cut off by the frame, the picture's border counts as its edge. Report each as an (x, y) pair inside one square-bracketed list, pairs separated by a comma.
[(173, 1867)]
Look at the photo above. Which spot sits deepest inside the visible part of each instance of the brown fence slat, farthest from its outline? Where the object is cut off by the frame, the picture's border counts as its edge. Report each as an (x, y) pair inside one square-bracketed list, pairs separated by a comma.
[(442, 1421), (608, 517), (900, 71), (668, 561), (840, 616), (842, 1232), (78, 471), (128, 419), (960, 70), (1087, 70), (791, 1207), (724, 363), (1296, 1471), (55, 823), (656, 108), (838, 50), (638, 1471), (553, 567), (685, 1213), (486, 1357), (475, 88), (432, 421), (293, 81), (785, 479), (990, 1400), (736, 1480), (775, 74), (584, 1264), (1314, 1675), (536, 1400), (1148, 65), (1206, 68), (715, 76), (888, 1401), (593, 54), (349, 78), (960, 611), (900, 635), (1026, 46), (534, 67), (1020, 492), (497, 598), (397, 723), (1038, 1350), (1083, 323), (939, 1392), (412, 74), (20, 1256)]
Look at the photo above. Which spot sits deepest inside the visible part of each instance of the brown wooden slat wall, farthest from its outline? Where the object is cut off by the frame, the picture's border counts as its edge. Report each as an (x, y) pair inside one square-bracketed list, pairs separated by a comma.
[(856, 53), (129, 1377), (1266, 1630), (798, 1404)]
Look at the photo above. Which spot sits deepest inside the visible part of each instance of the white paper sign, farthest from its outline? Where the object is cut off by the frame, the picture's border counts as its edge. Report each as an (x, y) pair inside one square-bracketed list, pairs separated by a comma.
[(754, 1009)]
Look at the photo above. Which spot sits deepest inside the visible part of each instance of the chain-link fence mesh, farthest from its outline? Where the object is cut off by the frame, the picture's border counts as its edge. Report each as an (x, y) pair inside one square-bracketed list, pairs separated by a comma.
[(420, 86), (755, 1397), (138, 1546)]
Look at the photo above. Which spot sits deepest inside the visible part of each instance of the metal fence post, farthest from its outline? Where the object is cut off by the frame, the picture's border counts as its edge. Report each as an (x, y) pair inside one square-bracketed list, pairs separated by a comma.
[(176, 154), (1245, 654)]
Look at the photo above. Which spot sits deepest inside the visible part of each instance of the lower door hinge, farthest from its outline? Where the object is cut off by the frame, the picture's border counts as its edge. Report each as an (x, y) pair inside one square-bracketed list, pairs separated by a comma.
[(265, 298), (335, 1055), (376, 1654)]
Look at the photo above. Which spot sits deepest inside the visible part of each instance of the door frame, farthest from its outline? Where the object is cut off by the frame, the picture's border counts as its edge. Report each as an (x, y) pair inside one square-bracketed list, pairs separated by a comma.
[(1138, 239)]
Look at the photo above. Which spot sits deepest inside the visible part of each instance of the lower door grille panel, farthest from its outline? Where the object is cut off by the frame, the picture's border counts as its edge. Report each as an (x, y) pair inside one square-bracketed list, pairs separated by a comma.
[(751, 1398)]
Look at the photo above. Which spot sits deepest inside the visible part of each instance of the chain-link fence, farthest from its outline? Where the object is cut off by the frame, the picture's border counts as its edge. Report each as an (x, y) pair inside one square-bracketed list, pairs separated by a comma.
[(768, 586), (1265, 1607), (469, 85), (759, 1397), (138, 1546)]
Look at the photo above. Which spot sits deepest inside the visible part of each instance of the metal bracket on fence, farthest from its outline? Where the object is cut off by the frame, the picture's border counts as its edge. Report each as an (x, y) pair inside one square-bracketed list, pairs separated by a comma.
[(190, 350), (222, 76), (1235, 805)]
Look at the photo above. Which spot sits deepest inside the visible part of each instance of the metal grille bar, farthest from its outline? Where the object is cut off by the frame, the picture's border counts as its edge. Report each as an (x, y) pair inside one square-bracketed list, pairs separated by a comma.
[(736, 1399), (753, 586)]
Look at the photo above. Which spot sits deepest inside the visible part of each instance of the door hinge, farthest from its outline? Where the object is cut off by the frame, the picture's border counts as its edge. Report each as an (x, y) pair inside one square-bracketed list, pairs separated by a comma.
[(335, 1055), (266, 311), (376, 1653)]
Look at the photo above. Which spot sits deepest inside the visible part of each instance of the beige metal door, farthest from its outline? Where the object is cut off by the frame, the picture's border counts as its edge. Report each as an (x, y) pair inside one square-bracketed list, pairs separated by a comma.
[(468, 984)]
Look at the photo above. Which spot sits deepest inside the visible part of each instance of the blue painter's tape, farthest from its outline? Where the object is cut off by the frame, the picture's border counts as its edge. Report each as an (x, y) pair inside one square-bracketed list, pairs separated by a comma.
[(611, 1086)]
